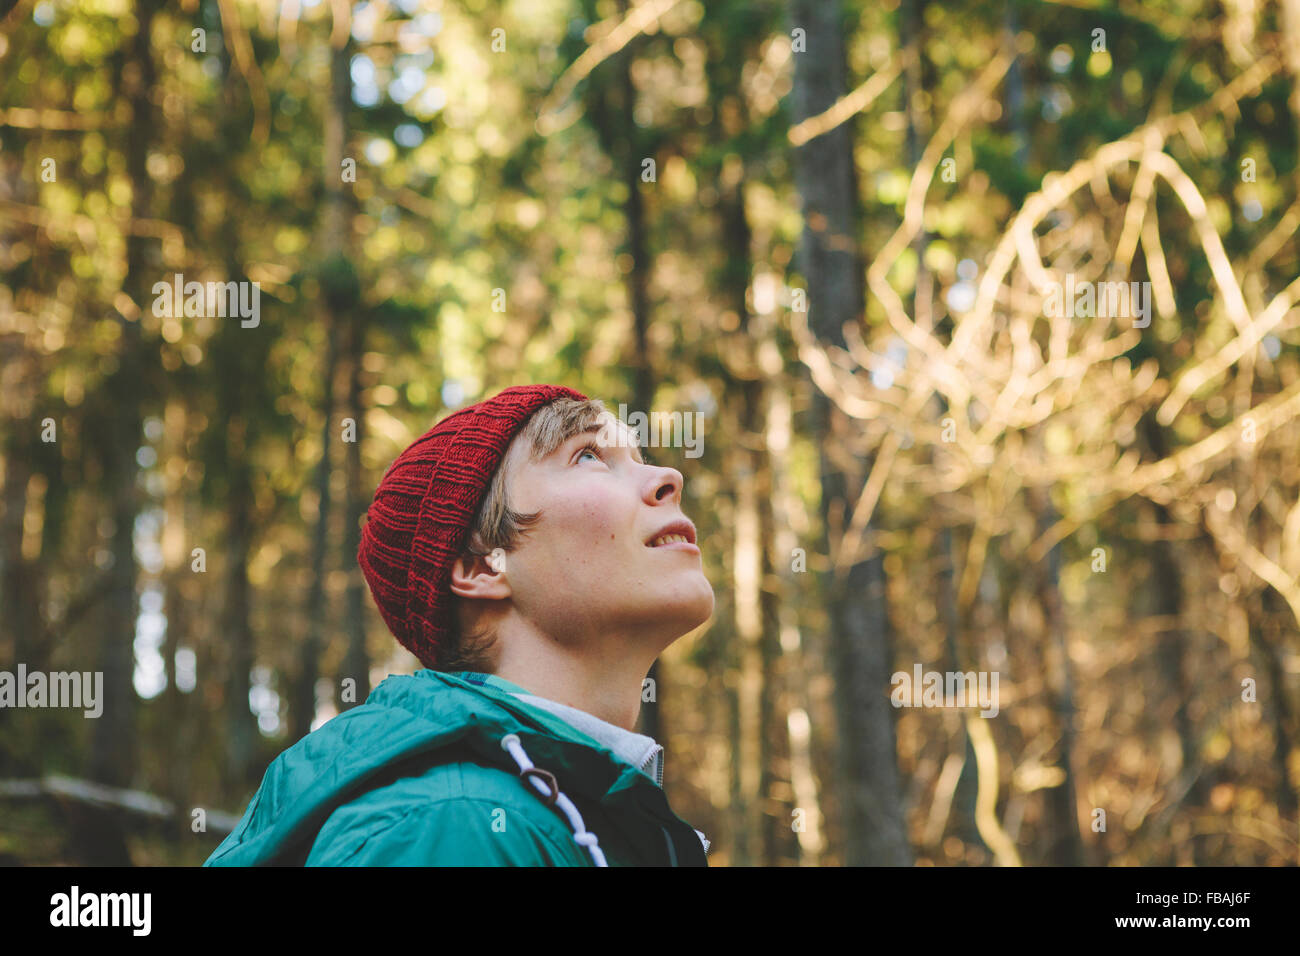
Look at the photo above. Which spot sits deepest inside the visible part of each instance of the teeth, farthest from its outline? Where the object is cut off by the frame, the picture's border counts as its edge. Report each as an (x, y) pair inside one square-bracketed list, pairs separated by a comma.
[(668, 539)]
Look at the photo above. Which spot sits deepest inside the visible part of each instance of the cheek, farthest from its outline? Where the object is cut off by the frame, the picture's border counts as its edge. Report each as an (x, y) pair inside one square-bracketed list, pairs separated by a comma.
[(595, 517)]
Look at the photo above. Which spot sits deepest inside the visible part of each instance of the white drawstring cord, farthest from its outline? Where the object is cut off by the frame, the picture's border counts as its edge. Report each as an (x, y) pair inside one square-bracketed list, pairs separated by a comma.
[(511, 744)]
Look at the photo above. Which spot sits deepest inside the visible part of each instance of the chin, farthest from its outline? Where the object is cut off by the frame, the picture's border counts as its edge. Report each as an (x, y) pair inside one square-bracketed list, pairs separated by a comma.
[(691, 609), (706, 605)]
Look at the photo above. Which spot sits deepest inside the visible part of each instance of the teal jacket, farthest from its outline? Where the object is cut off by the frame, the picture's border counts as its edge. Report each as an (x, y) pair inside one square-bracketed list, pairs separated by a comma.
[(433, 771)]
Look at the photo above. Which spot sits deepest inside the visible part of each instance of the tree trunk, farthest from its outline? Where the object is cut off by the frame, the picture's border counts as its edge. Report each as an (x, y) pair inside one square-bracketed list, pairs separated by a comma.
[(964, 790), (356, 664), (1275, 617), (871, 797), (236, 630), (748, 745), (1166, 592), (176, 568), (1068, 846), (336, 281), (804, 821), (15, 595), (763, 753), (112, 755), (303, 709)]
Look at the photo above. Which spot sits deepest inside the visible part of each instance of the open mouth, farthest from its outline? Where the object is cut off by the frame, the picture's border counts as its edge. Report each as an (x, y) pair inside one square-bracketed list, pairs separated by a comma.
[(677, 534)]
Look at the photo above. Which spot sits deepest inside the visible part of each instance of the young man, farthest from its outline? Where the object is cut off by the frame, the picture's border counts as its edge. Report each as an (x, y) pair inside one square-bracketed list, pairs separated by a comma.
[(536, 565)]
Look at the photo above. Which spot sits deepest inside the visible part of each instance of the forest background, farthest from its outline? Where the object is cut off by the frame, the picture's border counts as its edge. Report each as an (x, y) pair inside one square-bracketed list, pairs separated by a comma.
[(837, 231)]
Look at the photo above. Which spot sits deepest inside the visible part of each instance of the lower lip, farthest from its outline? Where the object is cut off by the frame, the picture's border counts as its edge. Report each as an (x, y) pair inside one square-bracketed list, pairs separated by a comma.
[(676, 546)]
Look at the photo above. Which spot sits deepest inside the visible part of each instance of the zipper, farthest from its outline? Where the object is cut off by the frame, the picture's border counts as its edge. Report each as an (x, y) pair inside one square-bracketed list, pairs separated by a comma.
[(655, 759)]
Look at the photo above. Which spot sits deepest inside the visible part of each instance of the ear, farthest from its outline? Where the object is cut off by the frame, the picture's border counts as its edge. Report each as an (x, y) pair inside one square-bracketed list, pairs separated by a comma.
[(477, 576)]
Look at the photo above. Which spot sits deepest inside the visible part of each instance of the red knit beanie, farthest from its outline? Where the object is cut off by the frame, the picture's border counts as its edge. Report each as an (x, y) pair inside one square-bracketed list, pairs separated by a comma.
[(423, 510)]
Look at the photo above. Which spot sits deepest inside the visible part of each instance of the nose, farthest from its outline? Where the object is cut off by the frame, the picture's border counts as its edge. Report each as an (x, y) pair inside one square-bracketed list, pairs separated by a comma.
[(665, 483)]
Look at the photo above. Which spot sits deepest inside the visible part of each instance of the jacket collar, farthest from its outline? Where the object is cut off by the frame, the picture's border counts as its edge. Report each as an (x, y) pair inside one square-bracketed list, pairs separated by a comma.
[(639, 750)]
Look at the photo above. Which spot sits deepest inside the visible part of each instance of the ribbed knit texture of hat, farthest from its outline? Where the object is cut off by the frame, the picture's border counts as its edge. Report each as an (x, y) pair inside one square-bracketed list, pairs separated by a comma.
[(423, 510)]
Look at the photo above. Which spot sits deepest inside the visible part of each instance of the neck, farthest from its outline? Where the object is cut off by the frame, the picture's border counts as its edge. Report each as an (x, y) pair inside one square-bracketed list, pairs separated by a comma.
[(606, 685)]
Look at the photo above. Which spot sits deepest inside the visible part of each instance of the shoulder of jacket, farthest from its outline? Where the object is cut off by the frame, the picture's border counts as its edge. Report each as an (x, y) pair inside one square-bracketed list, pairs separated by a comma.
[(457, 831), (459, 790)]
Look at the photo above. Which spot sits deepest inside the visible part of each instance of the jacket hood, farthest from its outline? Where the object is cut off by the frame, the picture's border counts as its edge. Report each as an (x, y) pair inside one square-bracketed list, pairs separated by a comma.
[(417, 720)]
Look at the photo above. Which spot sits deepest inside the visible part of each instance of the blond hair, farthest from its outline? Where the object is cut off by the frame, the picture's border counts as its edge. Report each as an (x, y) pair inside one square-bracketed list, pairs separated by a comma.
[(497, 525)]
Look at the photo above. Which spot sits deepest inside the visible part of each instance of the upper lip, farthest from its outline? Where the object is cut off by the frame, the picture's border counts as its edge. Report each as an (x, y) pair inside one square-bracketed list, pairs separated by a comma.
[(681, 526)]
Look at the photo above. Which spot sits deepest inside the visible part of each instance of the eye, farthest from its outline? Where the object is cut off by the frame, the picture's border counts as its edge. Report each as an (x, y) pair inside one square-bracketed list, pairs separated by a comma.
[(589, 449)]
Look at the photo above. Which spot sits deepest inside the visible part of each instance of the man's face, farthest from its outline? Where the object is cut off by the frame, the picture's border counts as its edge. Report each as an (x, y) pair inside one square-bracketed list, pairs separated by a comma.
[(586, 568)]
